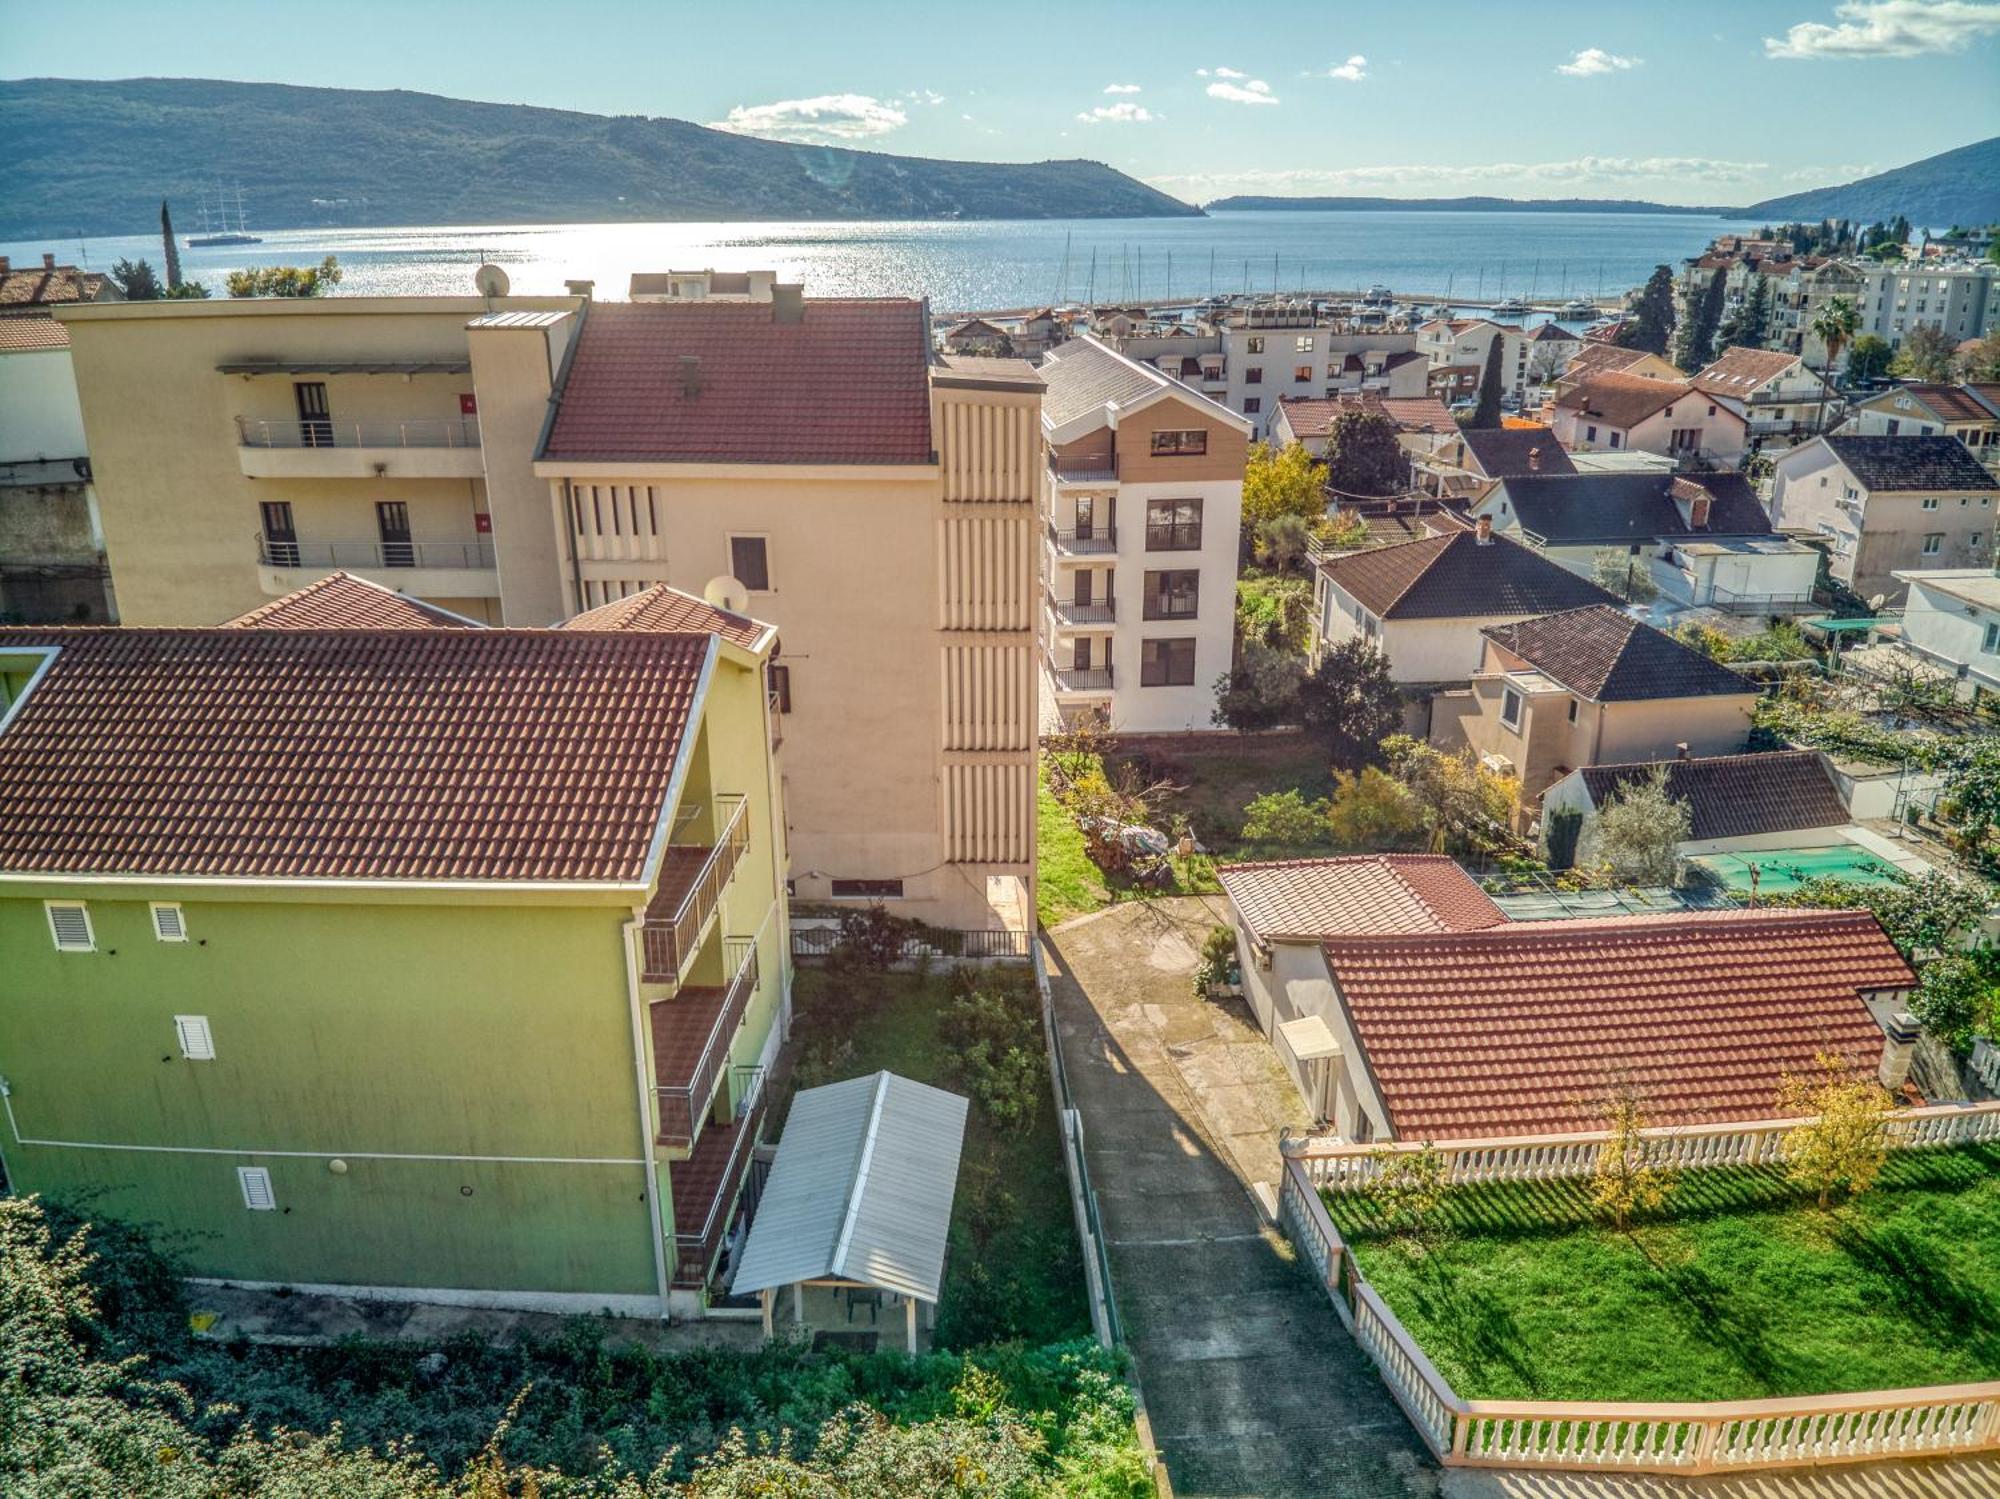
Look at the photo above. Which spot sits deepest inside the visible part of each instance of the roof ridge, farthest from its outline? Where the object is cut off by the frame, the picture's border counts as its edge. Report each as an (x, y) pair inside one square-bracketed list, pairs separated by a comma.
[(1641, 923)]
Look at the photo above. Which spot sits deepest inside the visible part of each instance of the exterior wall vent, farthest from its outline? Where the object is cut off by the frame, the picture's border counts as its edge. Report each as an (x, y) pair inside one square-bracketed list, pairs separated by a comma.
[(168, 923), (256, 1184), (69, 924)]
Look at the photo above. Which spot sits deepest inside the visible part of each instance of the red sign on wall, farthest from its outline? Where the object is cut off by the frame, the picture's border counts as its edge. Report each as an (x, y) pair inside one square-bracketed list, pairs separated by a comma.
[(482, 522), (468, 403)]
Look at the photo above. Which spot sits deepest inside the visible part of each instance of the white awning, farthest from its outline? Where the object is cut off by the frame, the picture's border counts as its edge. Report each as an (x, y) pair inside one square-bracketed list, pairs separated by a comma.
[(861, 1189), (1309, 1038)]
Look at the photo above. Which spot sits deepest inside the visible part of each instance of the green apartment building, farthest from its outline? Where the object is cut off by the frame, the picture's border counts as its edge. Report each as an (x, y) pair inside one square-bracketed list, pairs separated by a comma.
[(359, 947)]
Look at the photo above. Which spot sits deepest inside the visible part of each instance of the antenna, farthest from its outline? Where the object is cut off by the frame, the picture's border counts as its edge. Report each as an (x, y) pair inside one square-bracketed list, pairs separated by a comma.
[(491, 281), (725, 592)]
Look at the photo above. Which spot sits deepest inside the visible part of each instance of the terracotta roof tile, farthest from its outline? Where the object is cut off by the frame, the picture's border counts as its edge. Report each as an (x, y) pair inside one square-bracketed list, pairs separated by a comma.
[(1519, 1029), (30, 333), (341, 601), (1603, 653), (1625, 400), (1313, 416), (1402, 893), (847, 383), (1736, 796), (662, 608), (345, 754), (1600, 359), (1455, 577), (1738, 371), (49, 285), (1951, 403)]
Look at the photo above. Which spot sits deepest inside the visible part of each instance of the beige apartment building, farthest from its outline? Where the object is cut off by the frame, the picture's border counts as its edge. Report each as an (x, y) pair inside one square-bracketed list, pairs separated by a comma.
[(520, 460)]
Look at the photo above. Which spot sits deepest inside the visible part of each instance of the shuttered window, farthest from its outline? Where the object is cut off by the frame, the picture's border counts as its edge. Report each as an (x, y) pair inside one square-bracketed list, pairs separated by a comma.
[(69, 924), (168, 924), (256, 1184), (197, 1045)]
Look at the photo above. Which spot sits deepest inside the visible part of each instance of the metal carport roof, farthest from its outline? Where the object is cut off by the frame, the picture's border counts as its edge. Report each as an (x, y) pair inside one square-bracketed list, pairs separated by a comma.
[(861, 1189)]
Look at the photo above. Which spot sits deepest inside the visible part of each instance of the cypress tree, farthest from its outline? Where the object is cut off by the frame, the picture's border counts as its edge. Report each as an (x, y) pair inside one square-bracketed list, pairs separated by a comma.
[(1705, 316), (1652, 320), (1487, 413), (173, 249)]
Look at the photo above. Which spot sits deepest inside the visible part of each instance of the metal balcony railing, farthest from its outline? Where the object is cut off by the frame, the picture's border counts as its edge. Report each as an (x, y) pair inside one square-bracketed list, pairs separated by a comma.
[(309, 432), (684, 1102), (1090, 543), (274, 552), (1079, 612), (1083, 679), (1083, 470), (692, 880), (697, 1244)]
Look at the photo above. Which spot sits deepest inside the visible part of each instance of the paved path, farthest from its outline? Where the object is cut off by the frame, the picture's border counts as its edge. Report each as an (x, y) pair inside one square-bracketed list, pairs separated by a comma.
[(1253, 1386)]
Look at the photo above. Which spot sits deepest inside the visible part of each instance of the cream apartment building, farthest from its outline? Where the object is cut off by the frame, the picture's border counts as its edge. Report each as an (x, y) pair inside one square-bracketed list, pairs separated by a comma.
[(521, 460), (1139, 547)]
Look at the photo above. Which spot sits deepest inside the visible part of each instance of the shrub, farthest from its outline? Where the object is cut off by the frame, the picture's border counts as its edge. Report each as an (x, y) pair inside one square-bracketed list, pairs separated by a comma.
[(1622, 1180), (1218, 960), (992, 1029), (1956, 999), (873, 939), (1411, 1186), (1560, 830), (1284, 817), (1373, 811), (1842, 1144), (1638, 833)]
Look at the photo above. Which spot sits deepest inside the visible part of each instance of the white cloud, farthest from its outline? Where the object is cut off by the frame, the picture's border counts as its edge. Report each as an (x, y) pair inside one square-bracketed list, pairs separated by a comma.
[(925, 96), (1592, 61), (1119, 114), (1583, 176), (1220, 73), (826, 119), (1824, 176), (1255, 91), (1352, 71), (1889, 28), (1121, 88)]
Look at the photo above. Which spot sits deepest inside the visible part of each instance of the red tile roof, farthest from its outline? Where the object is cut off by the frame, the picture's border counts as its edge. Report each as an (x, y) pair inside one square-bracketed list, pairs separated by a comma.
[(1400, 893), (1600, 359), (345, 754), (1625, 400), (46, 285), (31, 333), (1313, 416), (1738, 371), (1520, 1028), (847, 383), (662, 608), (341, 601)]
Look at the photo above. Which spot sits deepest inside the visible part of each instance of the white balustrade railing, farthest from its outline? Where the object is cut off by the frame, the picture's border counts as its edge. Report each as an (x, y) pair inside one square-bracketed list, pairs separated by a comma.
[(1705, 1437)]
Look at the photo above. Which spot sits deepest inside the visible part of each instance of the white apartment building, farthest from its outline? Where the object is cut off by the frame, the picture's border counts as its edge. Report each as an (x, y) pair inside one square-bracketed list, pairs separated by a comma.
[(52, 567), (1529, 359), (1143, 511), (1953, 618), (1964, 300)]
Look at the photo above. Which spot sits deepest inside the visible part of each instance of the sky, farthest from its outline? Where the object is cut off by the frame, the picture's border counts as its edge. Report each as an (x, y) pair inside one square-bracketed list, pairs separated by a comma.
[(1699, 102)]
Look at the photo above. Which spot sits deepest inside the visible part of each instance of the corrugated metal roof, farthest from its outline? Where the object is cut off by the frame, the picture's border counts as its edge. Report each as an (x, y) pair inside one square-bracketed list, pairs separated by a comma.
[(861, 1189), (517, 319)]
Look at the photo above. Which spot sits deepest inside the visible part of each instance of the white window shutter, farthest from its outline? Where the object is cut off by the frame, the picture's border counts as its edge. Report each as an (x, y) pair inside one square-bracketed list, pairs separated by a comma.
[(256, 1184), (69, 923), (197, 1044), (168, 923)]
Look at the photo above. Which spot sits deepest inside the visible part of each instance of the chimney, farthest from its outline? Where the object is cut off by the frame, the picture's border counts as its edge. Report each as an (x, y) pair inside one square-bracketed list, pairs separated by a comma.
[(6, 265), (788, 302), (1534, 460), (581, 288), (1899, 1047), (1483, 532), (1698, 511), (690, 374), (48, 260), (1681, 750)]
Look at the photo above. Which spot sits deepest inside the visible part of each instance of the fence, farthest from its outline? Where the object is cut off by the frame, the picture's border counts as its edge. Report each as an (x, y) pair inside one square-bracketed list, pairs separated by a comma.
[(994, 943), (1082, 1196), (1704, 1437)]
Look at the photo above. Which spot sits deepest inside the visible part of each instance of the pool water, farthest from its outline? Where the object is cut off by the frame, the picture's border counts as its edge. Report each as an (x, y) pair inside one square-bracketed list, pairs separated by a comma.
[(1783, 869)]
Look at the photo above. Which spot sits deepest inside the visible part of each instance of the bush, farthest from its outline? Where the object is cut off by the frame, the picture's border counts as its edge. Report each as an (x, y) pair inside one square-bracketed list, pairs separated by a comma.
[(1956, 999), (992, 1028), (1285, 818), (873, 939), (1218, 961), (1373, 811)]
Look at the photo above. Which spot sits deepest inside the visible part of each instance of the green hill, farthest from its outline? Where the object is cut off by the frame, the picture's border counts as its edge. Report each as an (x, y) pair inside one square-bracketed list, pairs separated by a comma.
[(96, 158), (1957, 187)]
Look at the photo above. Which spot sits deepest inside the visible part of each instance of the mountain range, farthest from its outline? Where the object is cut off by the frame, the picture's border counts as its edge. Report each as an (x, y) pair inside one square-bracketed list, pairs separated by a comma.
[(1954, 187), (1253, 203), (89, 157)]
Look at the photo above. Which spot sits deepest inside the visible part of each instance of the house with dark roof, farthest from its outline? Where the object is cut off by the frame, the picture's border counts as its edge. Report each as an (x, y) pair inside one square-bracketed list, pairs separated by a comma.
[(281, 900), (1591, 686), (1702, 537), (1636, 414), (1887, 504), (1424, 603)]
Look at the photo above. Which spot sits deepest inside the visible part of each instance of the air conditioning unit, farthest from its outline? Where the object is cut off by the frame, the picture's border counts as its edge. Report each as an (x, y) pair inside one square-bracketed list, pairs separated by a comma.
[(1498, 765)]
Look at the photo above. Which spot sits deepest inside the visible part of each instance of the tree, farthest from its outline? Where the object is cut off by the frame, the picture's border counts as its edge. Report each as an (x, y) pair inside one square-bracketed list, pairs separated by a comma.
[(1562, 827), (171, 245), (1486, 415), (1621, 573), (187, 291), (1373, 811), (1651, 324), (1261, 691), (1868, 358), (1363, 456), (1284, 817), (1697, 342), (1638, 833), (137, 280), (1753, 323), (1623, 1179), (1981, 362), (1463, 805), (1833, 325), (285, 280), (1841, 1140), (1933, 912), (1411, 1186), (1956, 999), (1350, 703), (1970, 796), (1926, 354), (1283, 541), (1281, 481)]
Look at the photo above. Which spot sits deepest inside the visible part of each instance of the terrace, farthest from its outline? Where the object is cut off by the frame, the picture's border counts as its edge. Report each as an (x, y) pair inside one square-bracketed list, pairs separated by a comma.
[(693, 876)]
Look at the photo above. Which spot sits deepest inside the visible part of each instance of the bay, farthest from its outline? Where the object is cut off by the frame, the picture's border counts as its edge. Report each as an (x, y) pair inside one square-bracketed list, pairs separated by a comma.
[(990, 264)]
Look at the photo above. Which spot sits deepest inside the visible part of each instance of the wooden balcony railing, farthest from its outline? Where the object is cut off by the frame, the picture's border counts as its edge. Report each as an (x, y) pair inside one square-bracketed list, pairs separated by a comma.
[(692, 879), (685, 1075)]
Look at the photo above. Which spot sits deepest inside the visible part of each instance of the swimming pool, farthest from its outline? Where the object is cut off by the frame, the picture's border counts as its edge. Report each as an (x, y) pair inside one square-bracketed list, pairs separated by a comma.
[(1782, 869)]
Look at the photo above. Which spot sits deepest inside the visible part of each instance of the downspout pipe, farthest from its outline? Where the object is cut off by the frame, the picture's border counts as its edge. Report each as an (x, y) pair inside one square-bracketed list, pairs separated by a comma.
[(631, 931)]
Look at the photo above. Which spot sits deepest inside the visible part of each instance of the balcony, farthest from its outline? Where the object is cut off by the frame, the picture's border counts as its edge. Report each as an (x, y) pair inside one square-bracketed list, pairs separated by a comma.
[(1072, 614), (1094, 541), (1079, 473), (692, 1033), (1083, 679), (425, 569), (707, 1184), (692, 879), (420, 448)]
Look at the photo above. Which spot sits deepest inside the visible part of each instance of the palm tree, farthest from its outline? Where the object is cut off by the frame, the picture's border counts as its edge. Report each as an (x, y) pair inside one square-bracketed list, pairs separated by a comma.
[(1834, 325)]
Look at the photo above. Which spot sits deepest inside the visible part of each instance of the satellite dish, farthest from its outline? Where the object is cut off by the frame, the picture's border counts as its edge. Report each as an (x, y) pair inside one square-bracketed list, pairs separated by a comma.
[(491, 280), (725, 592), (1877, 601)]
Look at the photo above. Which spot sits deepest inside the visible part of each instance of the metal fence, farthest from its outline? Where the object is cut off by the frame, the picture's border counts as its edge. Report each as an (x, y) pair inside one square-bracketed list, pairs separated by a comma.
[(1083, 1197), (931, 942)]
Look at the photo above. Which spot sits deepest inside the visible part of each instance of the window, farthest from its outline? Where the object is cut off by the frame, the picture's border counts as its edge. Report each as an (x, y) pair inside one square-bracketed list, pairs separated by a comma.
[(1303, 344), (1302, 373), (1172, 595), (1166, 663), (1933, 543), (867, 889), (1572, 710), (1252, 405), (1614, 439), (392, 529), (1590, 434), (1930, 502), (197, 1045), (69, 924), (1510, 707), (779, 679), (1252, 376), (1173, 525), (1180, 444), (1991, 642), (168, 924), (1253, 345), (748, 563), (281, 538), (255, 1182)]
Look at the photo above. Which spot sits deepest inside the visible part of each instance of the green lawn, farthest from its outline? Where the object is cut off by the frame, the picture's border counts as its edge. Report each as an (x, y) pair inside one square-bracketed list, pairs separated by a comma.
[(1067, 882), (1740, 1293), (1013, 1269), (1222, 774)]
